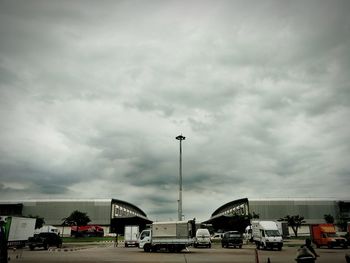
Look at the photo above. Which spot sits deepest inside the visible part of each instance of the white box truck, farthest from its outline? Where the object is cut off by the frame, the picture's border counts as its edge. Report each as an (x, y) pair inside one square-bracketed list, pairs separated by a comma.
[(265, 235), (18, 229), (173, 236), (131, 234)]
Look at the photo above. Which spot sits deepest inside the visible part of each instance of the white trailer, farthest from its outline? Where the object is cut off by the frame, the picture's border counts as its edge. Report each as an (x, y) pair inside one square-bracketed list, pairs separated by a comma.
[(265, 234), (173, 236), (18, 230), (46, 229), (131, 234)]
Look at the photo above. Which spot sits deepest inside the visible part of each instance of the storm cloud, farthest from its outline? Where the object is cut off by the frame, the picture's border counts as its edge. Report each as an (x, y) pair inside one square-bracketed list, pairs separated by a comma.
[(93, 94)]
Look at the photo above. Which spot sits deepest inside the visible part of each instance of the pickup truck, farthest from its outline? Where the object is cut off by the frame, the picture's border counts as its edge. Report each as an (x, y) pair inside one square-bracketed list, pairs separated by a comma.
[(44, 240)]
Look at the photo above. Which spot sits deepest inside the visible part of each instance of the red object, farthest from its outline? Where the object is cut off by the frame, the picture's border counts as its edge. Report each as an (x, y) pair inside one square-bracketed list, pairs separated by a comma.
[(325, 235), (88, 230)]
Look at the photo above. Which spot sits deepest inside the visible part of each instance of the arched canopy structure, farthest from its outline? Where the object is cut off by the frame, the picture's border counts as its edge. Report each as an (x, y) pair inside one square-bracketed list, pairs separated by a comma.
[(124, 213), (231, 216)]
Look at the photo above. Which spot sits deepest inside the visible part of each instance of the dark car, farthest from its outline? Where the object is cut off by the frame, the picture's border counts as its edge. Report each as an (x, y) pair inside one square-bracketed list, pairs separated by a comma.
[(44, 240), (232, 238)]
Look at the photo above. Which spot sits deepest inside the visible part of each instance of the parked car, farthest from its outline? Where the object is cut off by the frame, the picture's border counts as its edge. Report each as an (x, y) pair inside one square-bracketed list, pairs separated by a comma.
[(202, 238), (44, 240), (232, 238), (217, 236)]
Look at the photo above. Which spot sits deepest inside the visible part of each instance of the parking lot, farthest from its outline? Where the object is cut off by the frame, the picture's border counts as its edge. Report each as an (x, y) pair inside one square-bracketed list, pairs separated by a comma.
[(109, 253)]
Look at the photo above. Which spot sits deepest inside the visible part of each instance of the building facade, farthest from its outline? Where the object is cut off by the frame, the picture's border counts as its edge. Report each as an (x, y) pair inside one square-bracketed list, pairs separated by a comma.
[(111, 214), (313, 211)]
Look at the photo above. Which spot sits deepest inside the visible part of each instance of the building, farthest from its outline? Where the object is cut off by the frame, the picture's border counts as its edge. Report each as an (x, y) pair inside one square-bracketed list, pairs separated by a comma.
[(111, 214), (312, 209)]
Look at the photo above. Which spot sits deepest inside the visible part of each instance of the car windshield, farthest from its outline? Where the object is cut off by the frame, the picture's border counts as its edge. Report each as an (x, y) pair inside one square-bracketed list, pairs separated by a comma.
[(272, 233), (203, 232)]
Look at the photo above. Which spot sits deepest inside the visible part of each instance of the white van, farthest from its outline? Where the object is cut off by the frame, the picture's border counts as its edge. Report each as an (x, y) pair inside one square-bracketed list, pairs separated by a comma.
[(266, 235), (202, 238)]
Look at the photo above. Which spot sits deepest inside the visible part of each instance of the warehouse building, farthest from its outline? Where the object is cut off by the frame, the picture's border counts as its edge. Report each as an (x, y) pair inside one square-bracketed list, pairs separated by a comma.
[(111, 214), (313, 210)]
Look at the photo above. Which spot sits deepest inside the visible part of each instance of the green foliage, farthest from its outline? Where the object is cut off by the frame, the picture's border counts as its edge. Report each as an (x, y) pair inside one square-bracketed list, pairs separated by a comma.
[(343, 222), (255, 216), (40, 221), (294, 222), (76, 218), (329, 219)]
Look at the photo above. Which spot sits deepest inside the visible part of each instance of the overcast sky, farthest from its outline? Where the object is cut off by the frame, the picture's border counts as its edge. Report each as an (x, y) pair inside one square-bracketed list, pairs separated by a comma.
[(93, 94)]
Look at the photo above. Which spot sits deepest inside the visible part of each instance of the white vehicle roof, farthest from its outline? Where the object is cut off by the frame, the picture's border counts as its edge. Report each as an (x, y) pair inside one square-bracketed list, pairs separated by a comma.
[(202, 231), (267, 224)]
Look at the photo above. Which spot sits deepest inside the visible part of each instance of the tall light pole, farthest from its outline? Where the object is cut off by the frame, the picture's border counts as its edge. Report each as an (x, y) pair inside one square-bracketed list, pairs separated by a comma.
[(179, 210)]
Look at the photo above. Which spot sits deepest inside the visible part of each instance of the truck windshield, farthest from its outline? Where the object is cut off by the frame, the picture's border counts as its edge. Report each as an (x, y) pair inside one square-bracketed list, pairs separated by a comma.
[(272, 233), (144, 234), (331, 235)]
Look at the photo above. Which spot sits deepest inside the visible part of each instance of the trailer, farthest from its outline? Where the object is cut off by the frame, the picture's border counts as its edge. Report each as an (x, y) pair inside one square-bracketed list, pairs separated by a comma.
[(47, 229), (131, 234), (18, 230)]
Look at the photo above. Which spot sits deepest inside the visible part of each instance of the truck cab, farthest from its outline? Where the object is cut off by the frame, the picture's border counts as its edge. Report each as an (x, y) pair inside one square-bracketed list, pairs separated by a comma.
[(144, 240)]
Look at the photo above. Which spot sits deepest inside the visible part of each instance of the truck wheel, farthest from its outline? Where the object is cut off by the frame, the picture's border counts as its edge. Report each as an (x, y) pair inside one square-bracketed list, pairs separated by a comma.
[(178, 249), (147, 248), (171, 249)]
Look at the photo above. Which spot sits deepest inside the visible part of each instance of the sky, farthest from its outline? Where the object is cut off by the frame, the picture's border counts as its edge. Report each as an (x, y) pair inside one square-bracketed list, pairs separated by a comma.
[(93, 94)]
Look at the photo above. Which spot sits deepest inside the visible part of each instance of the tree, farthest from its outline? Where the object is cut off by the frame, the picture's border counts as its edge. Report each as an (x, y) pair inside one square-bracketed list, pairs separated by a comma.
[(40, 221), (77, 218), (255, 216), (294, 222), (329, 219)]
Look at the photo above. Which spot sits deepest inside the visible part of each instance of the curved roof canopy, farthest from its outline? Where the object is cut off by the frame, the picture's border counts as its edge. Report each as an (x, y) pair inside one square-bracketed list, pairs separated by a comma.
[(228, 205)]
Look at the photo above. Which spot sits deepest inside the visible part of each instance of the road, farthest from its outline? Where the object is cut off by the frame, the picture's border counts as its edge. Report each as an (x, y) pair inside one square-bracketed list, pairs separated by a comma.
[(108, 253)]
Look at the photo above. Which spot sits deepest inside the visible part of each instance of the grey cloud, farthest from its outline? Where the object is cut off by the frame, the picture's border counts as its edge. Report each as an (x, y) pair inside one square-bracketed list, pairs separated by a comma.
[(97, 92)]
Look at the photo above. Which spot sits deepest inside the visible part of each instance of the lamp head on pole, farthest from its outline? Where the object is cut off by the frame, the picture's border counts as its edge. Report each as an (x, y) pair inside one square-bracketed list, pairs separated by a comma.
[(180, 137)]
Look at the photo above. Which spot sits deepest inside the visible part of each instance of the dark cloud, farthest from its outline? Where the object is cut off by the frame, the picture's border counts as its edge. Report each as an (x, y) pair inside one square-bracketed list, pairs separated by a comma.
[(95, 94)]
